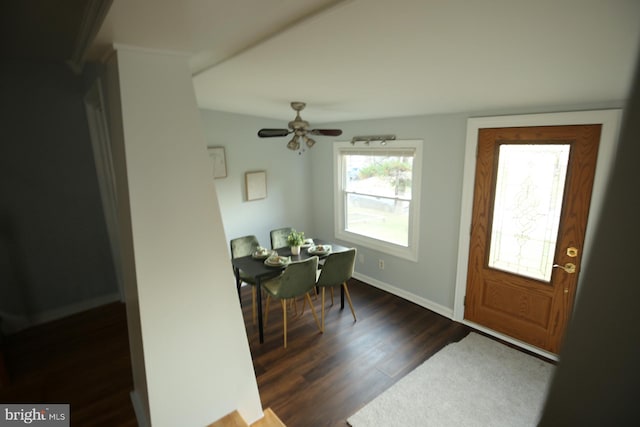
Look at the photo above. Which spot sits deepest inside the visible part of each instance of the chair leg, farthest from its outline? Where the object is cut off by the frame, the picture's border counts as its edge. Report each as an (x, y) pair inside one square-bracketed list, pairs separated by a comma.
[(313, 310), (293, 306), (266, 313), (254, 307), (304, 303), (332, 295), (346, 292), (284, 320)]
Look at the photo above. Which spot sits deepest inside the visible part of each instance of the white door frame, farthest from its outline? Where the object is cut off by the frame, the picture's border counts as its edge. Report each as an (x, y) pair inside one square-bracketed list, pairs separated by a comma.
[(610, 120), (101, 144)]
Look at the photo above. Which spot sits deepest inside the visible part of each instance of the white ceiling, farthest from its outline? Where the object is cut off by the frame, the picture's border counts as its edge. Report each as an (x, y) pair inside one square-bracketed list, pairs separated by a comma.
[(365, 59)]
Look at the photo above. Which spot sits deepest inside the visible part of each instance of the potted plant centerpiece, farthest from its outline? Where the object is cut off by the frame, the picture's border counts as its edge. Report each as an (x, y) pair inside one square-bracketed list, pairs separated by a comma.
[(295, 239)]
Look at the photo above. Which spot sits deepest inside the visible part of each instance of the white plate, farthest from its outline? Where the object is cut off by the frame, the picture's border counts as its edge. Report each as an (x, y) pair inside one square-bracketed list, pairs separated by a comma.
[(282, 261), (261, 255), (319, 249)]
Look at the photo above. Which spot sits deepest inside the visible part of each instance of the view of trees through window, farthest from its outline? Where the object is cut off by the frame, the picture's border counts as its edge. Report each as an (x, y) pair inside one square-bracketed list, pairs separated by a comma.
[(378, 195)]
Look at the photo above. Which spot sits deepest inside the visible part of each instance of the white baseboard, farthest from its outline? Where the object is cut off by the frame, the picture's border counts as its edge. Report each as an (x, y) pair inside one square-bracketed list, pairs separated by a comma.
[(13, 323), (423, 302), (138, 408), (448, 313)]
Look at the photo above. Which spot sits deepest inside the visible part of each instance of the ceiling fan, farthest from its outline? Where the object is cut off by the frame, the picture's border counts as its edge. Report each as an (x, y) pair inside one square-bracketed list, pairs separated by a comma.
[(300, 129)]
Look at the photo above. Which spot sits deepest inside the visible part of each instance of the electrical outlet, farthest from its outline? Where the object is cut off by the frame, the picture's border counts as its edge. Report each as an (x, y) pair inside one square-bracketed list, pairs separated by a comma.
[(381, 264), (361, 258)]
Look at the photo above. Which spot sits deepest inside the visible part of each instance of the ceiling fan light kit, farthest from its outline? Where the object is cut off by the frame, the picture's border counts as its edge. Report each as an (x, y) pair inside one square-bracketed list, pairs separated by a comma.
[(293, 144), (300, 129), (310, 142)]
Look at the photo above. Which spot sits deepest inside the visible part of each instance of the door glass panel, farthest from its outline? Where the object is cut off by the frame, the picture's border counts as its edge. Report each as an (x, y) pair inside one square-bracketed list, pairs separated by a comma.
[(527, 206)]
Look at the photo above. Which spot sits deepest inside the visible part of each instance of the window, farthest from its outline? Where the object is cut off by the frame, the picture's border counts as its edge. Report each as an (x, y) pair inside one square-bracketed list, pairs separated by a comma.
[(377, 195), (526, 213)]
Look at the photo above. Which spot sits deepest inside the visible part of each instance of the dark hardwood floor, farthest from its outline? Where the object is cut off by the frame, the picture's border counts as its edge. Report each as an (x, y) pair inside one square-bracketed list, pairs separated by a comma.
[(319, 380), (82, 360)]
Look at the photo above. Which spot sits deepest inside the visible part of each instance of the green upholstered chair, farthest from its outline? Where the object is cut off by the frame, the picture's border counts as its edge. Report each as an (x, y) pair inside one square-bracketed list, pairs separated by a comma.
[(244, 246), (337, 270), (297, 279), (279, 237)]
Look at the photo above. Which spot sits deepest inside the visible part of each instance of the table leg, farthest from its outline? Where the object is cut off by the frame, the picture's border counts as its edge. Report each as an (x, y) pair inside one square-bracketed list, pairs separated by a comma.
[(259, 302), (341, 297)]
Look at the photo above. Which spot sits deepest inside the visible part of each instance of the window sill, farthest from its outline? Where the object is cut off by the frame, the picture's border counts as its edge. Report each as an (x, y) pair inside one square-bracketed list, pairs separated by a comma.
[(409, 253)]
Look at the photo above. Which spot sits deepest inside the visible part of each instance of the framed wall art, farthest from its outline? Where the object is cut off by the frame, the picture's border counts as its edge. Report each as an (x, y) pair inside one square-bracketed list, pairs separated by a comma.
[(255, 185), (218, 161)]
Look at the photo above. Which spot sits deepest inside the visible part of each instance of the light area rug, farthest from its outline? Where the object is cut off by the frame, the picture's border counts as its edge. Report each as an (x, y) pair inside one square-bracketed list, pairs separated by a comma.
[(474, 382)]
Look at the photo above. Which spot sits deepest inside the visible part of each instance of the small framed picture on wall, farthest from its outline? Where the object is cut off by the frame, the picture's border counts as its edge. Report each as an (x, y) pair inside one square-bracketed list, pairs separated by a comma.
[(218, 161), (255, 185)]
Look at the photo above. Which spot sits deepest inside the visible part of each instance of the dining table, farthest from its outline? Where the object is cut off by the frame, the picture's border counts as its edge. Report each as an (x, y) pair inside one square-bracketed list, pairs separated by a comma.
[(257, 268)]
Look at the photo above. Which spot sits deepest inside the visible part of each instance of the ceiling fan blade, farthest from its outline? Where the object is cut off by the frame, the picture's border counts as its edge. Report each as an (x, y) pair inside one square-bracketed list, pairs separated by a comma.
[(270, 133), (326, 132)]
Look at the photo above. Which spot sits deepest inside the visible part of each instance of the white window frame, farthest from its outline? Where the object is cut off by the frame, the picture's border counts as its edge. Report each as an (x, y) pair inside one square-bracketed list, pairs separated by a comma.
[(409, 252)]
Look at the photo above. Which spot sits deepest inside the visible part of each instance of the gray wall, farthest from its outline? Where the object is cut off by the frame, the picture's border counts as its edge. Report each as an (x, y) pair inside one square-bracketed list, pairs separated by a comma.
[(288, 175), (54, 253), (430, 281), (433, 276)]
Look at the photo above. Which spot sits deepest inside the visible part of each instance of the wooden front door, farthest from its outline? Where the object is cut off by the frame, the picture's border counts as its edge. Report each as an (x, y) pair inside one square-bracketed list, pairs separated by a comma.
[(530, 207)]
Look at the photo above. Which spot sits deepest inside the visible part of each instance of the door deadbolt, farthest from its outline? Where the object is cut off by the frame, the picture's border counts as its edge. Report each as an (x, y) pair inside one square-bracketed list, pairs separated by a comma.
[(572, 252), (569, 267)]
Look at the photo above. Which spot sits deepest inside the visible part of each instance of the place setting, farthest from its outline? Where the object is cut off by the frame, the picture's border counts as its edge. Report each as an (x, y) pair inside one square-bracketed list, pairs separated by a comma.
[(270, 257), (275, 260), (307, 243), (319, 250), (261, 253)]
